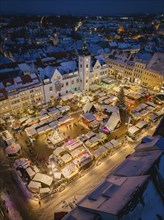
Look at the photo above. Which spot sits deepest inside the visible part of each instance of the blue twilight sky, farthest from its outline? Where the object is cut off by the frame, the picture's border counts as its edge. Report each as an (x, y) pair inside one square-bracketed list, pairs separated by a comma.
[(80, 7)]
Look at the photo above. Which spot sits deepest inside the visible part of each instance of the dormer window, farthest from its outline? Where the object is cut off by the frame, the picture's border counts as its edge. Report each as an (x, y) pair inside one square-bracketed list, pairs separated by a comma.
[(8, 84)]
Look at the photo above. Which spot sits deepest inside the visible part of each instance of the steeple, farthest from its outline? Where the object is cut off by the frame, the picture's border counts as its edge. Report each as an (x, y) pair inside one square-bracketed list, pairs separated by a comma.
[(84, 46)]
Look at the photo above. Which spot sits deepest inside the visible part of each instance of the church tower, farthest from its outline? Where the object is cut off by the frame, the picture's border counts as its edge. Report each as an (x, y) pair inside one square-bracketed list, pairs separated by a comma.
[(84, 71)]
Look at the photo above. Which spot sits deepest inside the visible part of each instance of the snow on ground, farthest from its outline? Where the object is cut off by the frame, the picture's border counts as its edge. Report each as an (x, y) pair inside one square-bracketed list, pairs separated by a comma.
[(12, 212)]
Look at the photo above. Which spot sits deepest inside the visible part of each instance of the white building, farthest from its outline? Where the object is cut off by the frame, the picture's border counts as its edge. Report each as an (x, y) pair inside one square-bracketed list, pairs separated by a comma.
[(72, 76), (29, 90)]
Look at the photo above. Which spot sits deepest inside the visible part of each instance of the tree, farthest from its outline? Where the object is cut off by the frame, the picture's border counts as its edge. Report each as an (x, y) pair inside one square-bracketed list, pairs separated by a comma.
[(122, 106), (121, 99)]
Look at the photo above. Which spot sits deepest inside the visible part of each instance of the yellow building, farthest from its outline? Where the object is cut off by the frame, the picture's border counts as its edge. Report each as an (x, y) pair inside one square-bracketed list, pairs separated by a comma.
[(24, 92), (148, 74), (4, 102), (153, 76)]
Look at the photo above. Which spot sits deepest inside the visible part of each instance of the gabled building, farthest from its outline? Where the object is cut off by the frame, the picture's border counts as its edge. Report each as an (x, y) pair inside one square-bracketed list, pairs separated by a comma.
[(23, 92), (71, 76), (4, 102), (149, 74)]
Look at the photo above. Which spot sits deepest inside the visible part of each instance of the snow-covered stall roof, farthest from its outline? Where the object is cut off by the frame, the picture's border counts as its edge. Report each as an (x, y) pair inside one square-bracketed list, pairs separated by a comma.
[(73, 145), (94, 87), (59, 150), (99, 152), (44, 190), (66, 158), (43, 178), (87, 107), (113, 121), (77, 152), (89, 116), (13, 149), (30, 131), (70, 170), (141, 124), (67, 97), (30, 172), (21, 162), (34, 185), (132, 130)]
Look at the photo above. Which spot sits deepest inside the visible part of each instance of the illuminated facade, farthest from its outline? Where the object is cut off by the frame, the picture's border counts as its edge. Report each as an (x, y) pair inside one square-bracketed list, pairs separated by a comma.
[(150, 74), (22, 93)]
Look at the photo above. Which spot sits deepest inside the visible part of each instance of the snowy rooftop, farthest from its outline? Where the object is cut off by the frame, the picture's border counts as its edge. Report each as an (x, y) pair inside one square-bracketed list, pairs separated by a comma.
[(21, 82), (113, 194), (151, 143), (156, 63), (79, 214), (138, 163)]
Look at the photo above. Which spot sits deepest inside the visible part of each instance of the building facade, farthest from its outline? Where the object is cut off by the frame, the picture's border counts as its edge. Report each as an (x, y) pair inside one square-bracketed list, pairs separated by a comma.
[(33, 89), (148, 74), (23, 92)]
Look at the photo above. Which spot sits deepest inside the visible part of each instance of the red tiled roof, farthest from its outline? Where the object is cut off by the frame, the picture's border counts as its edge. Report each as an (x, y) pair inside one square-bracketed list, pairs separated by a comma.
[(26, 79), (5, 81)]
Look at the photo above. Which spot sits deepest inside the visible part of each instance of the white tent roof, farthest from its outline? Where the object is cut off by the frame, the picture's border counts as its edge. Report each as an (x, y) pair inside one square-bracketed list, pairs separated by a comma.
[(12, 149), (132, 130), (113, 121), (69, 170), (87, 107), (57, 175), (30, 172), (141, 124), (43, 178), (34, 185), (44, 190), (21, 162)]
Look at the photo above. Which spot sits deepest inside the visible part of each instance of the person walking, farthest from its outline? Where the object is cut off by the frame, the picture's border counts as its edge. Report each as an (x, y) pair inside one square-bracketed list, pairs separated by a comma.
[(39, 203)]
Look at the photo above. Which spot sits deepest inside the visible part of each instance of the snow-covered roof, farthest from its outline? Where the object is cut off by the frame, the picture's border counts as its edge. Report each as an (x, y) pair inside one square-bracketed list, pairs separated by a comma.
[(100, 151), (138, 163), (89, 116), (43, 178), (79, 214), (113, 121), (113, 194), (34, 185), (24, 67), (69, 170), (151, 143), (87, 107), (141, 124), (132, 130)]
